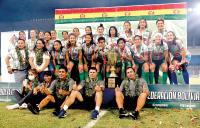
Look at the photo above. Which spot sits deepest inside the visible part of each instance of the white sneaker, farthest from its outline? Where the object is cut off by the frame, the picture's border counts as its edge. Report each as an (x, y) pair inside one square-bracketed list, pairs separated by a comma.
[(23, 106), (14, 106)]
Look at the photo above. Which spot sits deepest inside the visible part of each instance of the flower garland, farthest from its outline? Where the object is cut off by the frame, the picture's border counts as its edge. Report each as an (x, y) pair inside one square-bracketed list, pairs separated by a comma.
[(39, 56), (22, 62), (57, 56), (89, 91), (127, 87), (35, 83), (61, 85)]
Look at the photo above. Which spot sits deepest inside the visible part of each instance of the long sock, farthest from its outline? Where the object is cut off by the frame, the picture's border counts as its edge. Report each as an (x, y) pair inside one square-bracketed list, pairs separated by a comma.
[(99, 76), (107, 74), (151, 74), (97, 108), (142, 74), (146, 77), (123, 70), (86, 74), (65, 107), (156, 76), (82, 76), (174, 78), (185, 76), (164, 78), (169, 76)]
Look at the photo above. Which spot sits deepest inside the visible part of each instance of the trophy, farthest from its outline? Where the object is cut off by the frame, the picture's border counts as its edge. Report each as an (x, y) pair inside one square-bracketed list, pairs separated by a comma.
[(112, 59)]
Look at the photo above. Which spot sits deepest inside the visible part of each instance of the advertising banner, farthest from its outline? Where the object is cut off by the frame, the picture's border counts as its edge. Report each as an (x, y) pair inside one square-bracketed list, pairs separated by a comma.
[(174, 96), (161, 96)]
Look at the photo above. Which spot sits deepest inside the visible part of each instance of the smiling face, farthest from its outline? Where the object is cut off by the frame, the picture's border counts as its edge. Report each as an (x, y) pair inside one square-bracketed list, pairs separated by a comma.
[(41, 35), (100, 30), (92, 74), (57, 46), (101, 43), (62, 74), (137, 41), (72, 39), (160, 25), (65, 35), (88, 39), (112, 32), (47, 36), (53, 34), (21, 44), (158, 38), (130, 73), (32, 33), (22, 35), (170, 36), (76, 32), (121, 44), (39, 44), (88, 30), (127, 26), (142, 24)]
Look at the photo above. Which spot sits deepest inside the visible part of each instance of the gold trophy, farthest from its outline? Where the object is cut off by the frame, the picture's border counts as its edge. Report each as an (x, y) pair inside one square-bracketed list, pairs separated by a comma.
[(112, 59)]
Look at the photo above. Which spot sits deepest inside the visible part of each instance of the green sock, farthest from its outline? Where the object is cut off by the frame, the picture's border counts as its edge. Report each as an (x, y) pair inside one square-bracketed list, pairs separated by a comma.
[(99, 76), (107, 74), (151, 76), (143, 74), (82, 76), (123, 71), (164, 78), (146, 77), (86, 74)]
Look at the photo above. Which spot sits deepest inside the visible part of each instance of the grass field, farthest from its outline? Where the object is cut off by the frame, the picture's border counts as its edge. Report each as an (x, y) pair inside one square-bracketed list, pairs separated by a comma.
[(149, 118)]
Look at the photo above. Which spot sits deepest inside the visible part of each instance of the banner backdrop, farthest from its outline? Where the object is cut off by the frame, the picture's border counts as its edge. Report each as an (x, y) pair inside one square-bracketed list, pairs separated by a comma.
[(161, 96), (175, 16), (179, 96), (6, 91)]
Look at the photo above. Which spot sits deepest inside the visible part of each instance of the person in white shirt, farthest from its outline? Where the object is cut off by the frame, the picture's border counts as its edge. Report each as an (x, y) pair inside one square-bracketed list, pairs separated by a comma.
[(32, 40), (20, 56), (39, 58), (127, 34), (113, 37), (65, 39)]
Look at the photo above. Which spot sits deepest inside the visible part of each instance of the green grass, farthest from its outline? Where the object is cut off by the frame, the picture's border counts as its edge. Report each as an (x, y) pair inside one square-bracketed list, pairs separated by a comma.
[(25, 119), (149, 118), (153, 118)]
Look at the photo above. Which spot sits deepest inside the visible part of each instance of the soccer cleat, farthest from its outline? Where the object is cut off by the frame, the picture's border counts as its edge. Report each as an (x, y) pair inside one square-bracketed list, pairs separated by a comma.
[(56, 112), (94, 114), (33, 109), (134, 115), (62, 114), (123, 113), (23, 106)]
